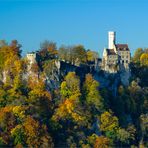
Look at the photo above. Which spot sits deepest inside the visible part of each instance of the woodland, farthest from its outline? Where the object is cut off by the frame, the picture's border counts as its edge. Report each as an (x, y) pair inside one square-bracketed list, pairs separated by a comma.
[(77, 113)]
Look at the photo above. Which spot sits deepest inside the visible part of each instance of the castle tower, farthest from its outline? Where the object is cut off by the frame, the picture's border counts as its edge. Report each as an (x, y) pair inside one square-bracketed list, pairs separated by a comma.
[(31, 57), (111, 39)]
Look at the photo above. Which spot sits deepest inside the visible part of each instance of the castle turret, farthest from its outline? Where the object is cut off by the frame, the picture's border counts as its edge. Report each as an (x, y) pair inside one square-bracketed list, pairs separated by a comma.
[(31, 57), (111, 39)]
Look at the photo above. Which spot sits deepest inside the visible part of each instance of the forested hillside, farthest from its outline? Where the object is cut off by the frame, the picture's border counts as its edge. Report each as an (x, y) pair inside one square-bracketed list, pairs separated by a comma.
[(77, 112)]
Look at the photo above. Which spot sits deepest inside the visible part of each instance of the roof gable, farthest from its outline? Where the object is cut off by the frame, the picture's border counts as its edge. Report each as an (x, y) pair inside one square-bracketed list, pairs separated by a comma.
[(111, 52), (122, 47)]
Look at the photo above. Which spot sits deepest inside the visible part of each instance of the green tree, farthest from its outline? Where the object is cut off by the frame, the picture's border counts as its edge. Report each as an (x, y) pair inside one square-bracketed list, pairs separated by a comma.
[(70, 107), (137, 55), (92, 55), (137, 98), (18, 134), (109, 124), (91, 94), (78, 54), (71, 85), (125, 136)]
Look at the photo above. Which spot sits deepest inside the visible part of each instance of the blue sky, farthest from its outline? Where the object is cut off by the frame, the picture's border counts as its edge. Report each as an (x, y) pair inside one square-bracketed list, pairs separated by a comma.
[(73, 22)]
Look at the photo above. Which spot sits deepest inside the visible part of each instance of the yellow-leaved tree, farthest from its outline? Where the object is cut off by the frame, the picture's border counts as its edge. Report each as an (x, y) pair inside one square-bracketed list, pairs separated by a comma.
[(109, 124), (144, 59), (70, 107)]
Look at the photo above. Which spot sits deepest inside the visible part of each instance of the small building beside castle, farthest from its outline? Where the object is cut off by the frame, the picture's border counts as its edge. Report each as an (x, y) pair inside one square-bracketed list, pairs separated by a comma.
[(32, 67), (31, 57)]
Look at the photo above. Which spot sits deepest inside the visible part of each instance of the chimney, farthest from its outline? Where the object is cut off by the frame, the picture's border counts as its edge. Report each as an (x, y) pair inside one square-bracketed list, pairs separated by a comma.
[(111, 39)]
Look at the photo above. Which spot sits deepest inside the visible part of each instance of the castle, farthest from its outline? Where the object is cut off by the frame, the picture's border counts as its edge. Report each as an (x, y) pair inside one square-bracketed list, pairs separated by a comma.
[(115, 60), (116, 57)]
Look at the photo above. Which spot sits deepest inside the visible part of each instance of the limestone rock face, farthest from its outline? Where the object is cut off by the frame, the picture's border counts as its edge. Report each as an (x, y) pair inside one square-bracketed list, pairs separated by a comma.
[(4, 76), (125, 76)]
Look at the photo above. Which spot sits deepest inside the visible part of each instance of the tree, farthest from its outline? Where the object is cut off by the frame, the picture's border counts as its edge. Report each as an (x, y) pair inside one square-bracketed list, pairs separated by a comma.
[(39, 100), (10, 61), (49, 68), (71, 85), (91, 93), (102, 142), (78, 54), (70, 107), (19, 129), (16, 47), (64, 53), (98, 141), (137, 98), (137, 54), (18, 134), (48, 49), (34, 68), (126, 136), (73, 54), (36, 134), (10, 119), (144, 59), (123, 135), (109, 124), (69, 110), (144, 126), (49, 45), (92, 55), (3, 43)]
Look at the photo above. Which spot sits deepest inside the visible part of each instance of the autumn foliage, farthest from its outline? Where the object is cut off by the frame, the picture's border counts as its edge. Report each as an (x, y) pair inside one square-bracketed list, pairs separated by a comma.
[(41, 106)]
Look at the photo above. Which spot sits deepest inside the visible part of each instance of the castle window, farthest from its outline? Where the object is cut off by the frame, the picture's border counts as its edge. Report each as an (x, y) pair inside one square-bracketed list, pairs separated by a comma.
[(126, 61), (122, 61)]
